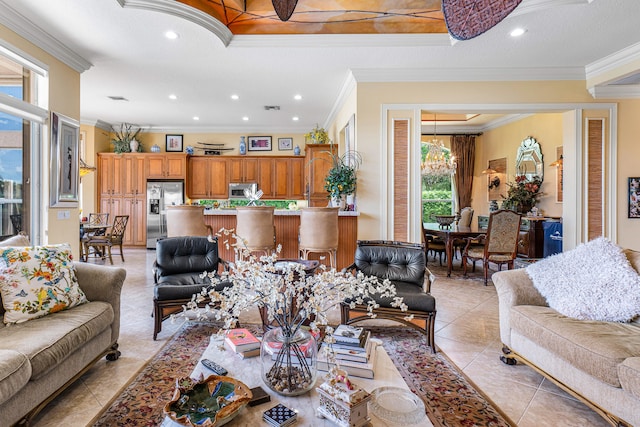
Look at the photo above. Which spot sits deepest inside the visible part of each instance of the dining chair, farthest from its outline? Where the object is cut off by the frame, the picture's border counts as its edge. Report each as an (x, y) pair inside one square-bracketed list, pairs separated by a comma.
[(102, 244), (499, 244), (318, 232), (98, 219), (434, 245), (466, 215)]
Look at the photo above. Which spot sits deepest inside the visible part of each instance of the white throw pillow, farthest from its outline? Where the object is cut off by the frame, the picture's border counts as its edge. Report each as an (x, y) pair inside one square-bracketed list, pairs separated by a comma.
[(17, 240), (594, 281), (36, 281)]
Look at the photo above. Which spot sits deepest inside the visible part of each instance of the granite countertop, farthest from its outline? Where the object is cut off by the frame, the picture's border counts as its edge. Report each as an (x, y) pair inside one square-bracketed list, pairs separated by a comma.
[(277, 212)]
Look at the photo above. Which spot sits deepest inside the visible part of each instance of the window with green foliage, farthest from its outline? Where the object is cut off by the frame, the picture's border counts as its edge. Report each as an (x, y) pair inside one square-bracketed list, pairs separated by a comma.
[(437, 193)]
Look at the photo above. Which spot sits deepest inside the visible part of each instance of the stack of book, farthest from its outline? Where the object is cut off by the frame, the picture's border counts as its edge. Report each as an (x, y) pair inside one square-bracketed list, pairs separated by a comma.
[(353, 352), (243, 342)]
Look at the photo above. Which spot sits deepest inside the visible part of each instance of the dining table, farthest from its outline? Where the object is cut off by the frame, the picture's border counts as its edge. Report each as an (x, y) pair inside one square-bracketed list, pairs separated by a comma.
[(448, 234)]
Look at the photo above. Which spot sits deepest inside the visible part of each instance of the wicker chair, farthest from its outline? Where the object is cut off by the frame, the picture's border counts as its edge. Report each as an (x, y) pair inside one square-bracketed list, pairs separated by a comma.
[(102, 244), (255, 225), (500, 243)]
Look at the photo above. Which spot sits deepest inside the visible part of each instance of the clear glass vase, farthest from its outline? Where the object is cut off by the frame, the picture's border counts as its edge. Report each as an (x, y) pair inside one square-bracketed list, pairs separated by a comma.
[(289, 362)]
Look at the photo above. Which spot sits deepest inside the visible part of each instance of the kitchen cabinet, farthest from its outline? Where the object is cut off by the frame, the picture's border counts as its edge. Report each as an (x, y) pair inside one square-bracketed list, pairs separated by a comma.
[(288, 181), (166, 166), (207, 177), (318, 160), (243, 169), (134, 178), (110, 168), (136, 231), (265, 177)]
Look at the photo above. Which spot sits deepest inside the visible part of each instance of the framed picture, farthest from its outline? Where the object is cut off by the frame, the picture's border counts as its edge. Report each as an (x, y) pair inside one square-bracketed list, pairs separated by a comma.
[(64, 158), (634, 197), (259, 143), (174, 143), (285, 143)]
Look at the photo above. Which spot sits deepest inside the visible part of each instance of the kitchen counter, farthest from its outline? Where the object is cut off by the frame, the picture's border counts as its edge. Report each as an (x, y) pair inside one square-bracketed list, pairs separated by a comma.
[(287, 223), (277, 212)]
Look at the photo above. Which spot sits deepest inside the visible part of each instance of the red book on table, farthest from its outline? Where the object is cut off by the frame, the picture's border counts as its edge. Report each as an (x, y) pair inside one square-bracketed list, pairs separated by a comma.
[(240, 339)]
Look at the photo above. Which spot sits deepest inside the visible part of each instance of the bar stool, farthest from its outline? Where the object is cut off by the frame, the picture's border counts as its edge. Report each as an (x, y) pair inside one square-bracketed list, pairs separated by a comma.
[(319, 232), (255, 225), (187, 221)]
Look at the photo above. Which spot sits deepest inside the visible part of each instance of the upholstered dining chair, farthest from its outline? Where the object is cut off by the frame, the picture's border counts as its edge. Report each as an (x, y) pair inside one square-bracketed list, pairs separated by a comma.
[(500, 243), (434, 245), (319, 232), (102, 244), (466, 216), (256, 227)]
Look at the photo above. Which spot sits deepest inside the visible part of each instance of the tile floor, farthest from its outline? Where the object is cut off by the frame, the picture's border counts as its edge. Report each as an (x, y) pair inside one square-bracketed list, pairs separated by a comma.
[(466, 331)]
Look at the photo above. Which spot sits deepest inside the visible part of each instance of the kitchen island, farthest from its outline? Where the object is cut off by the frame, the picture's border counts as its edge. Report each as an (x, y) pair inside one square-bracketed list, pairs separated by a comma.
[(287, 223)]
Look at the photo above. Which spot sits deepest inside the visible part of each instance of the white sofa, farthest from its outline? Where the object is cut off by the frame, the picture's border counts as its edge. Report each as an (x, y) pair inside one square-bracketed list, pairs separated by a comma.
[(597, 362)]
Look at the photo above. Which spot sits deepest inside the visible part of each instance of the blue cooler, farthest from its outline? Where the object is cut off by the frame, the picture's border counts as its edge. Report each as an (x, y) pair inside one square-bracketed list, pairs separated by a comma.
[(552, 238)]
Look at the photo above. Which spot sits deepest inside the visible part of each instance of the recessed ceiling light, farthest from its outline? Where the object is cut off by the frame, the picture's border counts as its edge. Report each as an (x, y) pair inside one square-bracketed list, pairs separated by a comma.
[(171, 35), (517, 32), (245, 118), (295, 118), (196, 118), (235, 97), (297, 97), (173, 97)]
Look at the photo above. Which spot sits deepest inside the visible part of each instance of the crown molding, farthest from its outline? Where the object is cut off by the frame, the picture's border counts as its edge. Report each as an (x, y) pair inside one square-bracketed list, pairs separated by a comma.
[(180, 10), (373, 75), (528, 6), (20, 25), (612, 62), (615, 92), (348, 86)]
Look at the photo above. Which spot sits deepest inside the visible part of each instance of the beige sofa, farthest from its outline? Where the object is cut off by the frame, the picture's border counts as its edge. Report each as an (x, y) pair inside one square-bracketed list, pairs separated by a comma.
[(597, 362), (41, 357)]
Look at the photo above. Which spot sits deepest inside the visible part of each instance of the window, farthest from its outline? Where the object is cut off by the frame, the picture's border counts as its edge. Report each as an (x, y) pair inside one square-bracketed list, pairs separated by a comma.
[(23, 85), (437, 192)]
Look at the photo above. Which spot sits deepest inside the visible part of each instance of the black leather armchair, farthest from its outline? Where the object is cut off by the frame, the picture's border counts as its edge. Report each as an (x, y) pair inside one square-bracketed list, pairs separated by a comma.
[(404, 264), (180, 261)]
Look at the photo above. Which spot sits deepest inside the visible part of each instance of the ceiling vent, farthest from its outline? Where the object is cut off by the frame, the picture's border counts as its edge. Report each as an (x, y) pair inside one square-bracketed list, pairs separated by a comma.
[(272, 107), (118, 98)]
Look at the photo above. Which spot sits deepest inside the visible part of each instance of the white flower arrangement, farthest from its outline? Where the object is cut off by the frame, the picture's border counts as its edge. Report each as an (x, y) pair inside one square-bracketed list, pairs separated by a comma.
[(288, 293)]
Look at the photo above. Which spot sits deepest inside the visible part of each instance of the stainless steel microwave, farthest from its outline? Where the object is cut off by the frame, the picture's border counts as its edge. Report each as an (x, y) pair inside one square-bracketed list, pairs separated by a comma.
[(236, 189)]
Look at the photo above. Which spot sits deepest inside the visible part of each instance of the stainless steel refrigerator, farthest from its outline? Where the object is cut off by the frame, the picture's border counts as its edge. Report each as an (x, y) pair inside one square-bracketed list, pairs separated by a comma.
[(161, 194)]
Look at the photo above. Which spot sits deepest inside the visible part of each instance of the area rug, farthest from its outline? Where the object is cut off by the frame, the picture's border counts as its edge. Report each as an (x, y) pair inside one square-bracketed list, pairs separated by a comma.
[(450, 398)]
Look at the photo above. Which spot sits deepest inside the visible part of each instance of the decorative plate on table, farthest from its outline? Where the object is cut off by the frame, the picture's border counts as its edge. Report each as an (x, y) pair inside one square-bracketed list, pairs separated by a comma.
[(397, 405), (209, 402)]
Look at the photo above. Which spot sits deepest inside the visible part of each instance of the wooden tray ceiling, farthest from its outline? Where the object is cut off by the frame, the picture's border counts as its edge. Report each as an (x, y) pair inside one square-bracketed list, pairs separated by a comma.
[(327, 17)]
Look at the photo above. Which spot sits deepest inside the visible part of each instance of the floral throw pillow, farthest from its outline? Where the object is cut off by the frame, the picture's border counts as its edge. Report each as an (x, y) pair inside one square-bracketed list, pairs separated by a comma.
[(36, 281)]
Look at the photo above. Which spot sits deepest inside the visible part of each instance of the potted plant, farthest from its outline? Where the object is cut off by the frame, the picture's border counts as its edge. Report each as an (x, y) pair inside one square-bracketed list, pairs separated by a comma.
[(317, 135), (523, 195), (125, 139), (341, 179)]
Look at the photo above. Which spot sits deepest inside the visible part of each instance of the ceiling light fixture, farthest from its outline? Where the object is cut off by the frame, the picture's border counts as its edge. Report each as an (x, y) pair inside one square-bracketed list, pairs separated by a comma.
[(295, 118), (245, 118), (438, 161), (196, 118), (517, 32), (235, 97), (173, 97), (171, 35), (297, 97)]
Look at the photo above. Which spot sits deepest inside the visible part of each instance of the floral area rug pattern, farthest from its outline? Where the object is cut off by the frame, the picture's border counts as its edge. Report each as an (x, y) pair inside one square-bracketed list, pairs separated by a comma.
[(450, 398)]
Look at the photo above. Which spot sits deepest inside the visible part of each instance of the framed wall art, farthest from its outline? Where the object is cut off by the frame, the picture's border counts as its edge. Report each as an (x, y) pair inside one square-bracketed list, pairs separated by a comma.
[(259, 143), (634, 197), (63, 161), (174, 143), (285, 143)]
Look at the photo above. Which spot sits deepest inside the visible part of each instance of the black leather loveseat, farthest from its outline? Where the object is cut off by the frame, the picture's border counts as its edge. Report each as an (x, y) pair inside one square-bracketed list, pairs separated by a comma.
[(404, 264), (180, 262)]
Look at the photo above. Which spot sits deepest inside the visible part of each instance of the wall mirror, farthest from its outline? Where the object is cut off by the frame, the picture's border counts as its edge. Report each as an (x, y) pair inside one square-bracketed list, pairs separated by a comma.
[(529, 159)]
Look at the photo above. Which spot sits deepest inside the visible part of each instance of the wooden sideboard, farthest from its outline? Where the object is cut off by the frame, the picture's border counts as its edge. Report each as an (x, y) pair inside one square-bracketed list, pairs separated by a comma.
[(531, 239)]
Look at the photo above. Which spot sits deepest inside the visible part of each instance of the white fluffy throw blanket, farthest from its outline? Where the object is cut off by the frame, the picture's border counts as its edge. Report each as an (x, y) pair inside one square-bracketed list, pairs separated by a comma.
[(594, 281)]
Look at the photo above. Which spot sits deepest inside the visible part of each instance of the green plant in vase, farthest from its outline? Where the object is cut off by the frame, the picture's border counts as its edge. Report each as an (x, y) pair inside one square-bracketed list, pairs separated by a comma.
[(341, 179), (125, 139)]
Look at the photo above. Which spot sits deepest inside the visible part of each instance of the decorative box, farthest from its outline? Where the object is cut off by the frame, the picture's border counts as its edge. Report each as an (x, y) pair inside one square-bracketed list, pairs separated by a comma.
[(343, 402)]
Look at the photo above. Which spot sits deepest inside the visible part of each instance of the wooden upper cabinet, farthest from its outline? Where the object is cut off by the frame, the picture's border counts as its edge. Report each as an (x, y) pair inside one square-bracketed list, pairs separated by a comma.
[(110, 169), (243, 169), (207, 178), (319, 161), (296, 178), (166, 166), (265, 177), (134, 175)]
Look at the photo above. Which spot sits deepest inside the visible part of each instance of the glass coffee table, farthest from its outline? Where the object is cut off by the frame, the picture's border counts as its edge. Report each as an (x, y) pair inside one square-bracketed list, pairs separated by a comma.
[(248, 371)]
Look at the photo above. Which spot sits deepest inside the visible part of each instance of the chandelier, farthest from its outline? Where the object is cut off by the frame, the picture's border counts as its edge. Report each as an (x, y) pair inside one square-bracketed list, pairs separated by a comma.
[(436, 163)]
